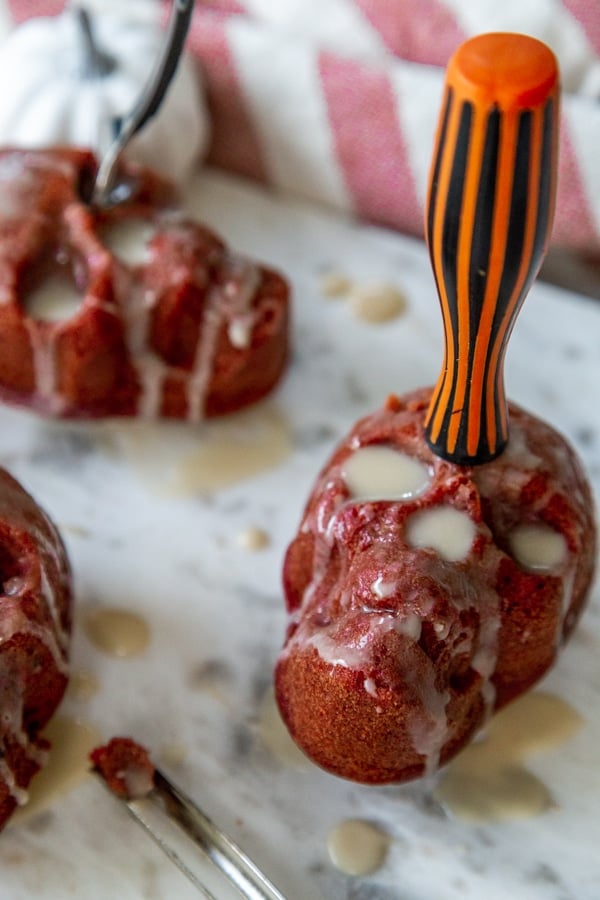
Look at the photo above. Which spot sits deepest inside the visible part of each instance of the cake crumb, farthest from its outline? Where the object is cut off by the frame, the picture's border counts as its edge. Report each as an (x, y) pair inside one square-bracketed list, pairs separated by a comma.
[(125, 766)]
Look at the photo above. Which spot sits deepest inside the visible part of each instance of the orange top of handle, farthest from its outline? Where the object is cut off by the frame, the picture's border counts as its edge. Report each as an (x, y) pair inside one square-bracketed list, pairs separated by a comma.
[(514, 71), (489, 215)]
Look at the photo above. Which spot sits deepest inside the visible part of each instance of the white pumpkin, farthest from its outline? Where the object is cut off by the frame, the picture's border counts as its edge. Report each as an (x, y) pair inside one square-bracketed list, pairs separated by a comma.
[(47, 97)]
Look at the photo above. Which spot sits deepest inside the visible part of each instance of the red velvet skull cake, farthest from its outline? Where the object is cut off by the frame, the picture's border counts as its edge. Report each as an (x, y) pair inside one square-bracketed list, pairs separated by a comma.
[(424, 594), (193, 330), (444, 555), (35, 623)]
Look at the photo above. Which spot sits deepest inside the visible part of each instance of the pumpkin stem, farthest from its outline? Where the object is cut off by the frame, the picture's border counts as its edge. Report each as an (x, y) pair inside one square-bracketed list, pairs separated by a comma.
[(96, 63)]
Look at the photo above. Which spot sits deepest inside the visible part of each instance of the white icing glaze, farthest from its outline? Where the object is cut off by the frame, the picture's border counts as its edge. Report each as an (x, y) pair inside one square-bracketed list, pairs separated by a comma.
[(382, 588), (486, 655), (409, 625), (240, 291), (54, 300), (517, 450), (13, 621), (129, 239), (44, 364), (239, 331), (431, 730), (380, 472), (232, 297), (566, 618), (442, 630), (138, 781), (370, 686), (49, 552), (18, 793), (11, 721), (448, 531), (354, 654), (538, 547)]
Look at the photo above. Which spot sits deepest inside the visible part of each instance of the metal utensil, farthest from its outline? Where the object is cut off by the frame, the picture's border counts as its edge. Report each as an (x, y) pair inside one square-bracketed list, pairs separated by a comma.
[(107, 191), (167, 815)]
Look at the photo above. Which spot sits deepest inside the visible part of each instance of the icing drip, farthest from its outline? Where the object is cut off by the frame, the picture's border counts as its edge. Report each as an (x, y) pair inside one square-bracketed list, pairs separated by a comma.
[(17, 793), (430, 732), (49, 596), (486, 656), (52, 635), (43, 349), (240, 291), (229, 301), (205, 353), (136, 303), (11, 722)]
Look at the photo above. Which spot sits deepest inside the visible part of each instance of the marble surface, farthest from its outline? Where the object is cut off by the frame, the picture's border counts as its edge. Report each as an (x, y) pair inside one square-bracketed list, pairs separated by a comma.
[(215, 608)]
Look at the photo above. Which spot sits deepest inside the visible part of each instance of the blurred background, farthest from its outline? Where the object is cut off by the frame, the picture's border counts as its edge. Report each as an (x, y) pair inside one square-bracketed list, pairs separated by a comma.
[(335, 101)]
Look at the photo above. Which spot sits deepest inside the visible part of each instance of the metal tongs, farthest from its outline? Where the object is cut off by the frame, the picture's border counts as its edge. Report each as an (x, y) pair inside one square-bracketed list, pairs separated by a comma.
[(107, 191), (179, 828)]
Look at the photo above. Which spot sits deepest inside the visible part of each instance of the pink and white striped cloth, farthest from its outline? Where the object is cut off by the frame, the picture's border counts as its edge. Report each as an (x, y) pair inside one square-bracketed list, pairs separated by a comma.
[(337, 100)]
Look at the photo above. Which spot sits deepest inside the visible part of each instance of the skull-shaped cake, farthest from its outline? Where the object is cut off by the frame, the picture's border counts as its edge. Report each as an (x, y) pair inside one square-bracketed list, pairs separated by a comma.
[(187, 331), (443, 558)]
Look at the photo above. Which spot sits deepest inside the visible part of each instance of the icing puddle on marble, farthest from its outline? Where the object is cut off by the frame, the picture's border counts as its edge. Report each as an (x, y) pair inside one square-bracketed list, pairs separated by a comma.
[(253, 539), (68, 764), (488, 780), (375, 303), (83, 685), (117, 632), (179, 459), (357, 847)]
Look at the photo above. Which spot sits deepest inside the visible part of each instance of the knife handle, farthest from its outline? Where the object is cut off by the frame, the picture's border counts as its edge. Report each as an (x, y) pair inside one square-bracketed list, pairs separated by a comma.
[(489, 215)]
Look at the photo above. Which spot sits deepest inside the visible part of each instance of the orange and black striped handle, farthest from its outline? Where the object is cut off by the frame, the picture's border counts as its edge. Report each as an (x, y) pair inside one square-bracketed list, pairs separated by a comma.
[(489, 214)]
